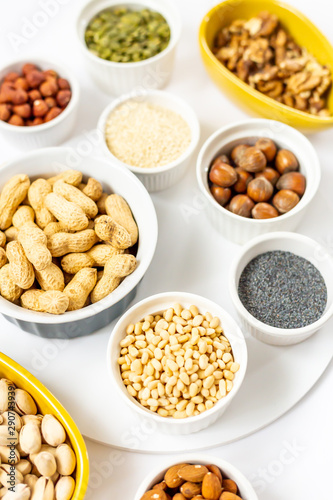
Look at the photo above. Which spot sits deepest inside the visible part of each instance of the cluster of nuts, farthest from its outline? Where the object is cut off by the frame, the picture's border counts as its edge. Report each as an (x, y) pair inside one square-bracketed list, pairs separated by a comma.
[(196, 482), (257, 181), (261, 53), (177, 363), (65, 242), (36, 459), (33, 97)]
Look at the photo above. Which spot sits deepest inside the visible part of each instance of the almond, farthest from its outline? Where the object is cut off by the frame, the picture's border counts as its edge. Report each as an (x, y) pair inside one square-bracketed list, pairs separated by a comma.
[(227, 495), (229, 485), (211, 487), (160, 486), (198, 497), (155, 495), (193, 473), (190, 490), (171, 477), (215, 470), (178, 496)]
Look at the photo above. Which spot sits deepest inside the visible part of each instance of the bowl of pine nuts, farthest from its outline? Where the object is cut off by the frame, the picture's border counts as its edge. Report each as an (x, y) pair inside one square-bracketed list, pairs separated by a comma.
[(176, 364)]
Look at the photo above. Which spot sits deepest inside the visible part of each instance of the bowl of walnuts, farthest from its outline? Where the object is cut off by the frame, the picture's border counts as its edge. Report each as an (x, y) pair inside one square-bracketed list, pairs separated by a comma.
[(257, 176), (38, 103)]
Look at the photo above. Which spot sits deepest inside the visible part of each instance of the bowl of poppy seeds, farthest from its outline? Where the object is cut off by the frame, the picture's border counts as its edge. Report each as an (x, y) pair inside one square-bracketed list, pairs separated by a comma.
[(282, 287)]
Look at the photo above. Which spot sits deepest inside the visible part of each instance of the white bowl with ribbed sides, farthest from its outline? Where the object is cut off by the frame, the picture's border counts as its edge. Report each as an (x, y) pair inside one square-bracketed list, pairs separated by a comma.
[(51, 133), (241, 229), (300, 245), (154, 305), (47, 163), (118, 78), (157, 178), (229, 471)]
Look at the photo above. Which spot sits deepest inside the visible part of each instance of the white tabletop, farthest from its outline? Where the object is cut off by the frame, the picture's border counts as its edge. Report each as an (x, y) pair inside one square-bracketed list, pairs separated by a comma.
[(293, 457)]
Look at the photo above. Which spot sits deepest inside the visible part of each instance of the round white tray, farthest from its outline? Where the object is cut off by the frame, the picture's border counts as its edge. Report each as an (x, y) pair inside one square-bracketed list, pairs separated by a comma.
[(190, 256)]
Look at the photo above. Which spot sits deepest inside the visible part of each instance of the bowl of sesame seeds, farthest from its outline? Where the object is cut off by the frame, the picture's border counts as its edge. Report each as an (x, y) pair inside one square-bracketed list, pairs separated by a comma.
[(153, 134), (177, 359), (282, 287)]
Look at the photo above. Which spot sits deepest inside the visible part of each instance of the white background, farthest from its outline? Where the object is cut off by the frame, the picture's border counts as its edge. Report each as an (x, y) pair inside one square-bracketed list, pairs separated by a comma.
[(305, 474)]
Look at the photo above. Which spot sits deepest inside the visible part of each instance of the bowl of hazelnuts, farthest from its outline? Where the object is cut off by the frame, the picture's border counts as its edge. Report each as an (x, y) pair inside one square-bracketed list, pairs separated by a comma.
[(38, 103), (257, 176)]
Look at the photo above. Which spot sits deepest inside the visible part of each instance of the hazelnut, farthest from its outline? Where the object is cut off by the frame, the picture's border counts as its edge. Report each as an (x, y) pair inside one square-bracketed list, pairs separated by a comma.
[(252, 160), (242, 205), (286, 161), (285, 200), (35, 78), (35, 121), (260, 189), (63, 97), (48, 88), (34, 94), (28, 67), (242, 181), (19, 96), (21, 83), (6, 94), (295, 181), (51, 102), (11, 76), (221, 195), (267, 146), (5, 112), (264, 211), (222, 174), (50, 72), (40, 108), (270, 174), (23, 110), (52, 113), (238, 152), (16, 120), (63, 84)]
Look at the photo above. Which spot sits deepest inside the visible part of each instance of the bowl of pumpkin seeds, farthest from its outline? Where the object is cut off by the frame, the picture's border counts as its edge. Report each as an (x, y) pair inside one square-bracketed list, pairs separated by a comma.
[(129, 47)]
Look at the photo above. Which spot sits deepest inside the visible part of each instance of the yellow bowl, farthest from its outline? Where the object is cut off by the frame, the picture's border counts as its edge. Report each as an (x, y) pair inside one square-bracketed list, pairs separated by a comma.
[(301, 29), (47, 403)]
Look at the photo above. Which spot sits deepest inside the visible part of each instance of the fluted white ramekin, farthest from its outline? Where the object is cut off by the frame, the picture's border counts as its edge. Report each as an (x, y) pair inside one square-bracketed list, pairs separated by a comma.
[(228, 470), (51, 133), (119, 78), (241, 229), (157, 178), (156, 304), (300, 245)]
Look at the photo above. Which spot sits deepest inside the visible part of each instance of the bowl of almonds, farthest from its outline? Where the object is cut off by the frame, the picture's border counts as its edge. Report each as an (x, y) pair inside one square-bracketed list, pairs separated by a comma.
[(38, 103), (196, 476), (43, 454), (177, 359)]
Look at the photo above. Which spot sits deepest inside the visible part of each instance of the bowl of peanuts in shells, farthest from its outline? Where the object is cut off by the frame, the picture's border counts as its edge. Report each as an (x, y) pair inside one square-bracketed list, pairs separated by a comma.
[(177, 360)]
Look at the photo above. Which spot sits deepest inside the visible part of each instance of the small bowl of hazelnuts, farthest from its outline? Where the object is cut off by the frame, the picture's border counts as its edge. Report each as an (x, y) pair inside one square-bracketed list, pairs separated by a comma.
[(38, 103), (258, 176)]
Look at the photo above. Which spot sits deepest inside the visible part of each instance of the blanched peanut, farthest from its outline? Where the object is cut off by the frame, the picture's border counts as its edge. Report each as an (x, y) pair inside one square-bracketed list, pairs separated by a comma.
[(53, 302), (79, 288), (115, 269), (13, 193), (37, 193), (68, 213), (117, 208), (112, 232)]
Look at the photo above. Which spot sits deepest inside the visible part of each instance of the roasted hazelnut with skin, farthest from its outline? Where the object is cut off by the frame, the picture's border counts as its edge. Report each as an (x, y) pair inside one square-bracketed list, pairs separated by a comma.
[(23, 110), (264, 211), (34, 95), (50, 72), (260, 189), (222, 174), (270, 174), (48, 88), (243, 179), (238, 152), (35, 121), (52, 113), (40, 108), (20, 96), (5, 112), (11, 77), (221, 195), (242, 205), (268, 147), (286, 161), (21, 83), (63, 97), (285, 200), (28, 67), (252, 160), (51, 102), (295, 181), (63, 84), (35, 78), (16, 120)]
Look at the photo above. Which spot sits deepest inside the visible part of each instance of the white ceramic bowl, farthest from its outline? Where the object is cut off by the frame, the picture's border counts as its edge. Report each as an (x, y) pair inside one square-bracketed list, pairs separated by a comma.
[(156, 304), (48, 134), (228, 472), (299, 245), (157, 178), (49, 162), (241, 229), (119, 78)]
